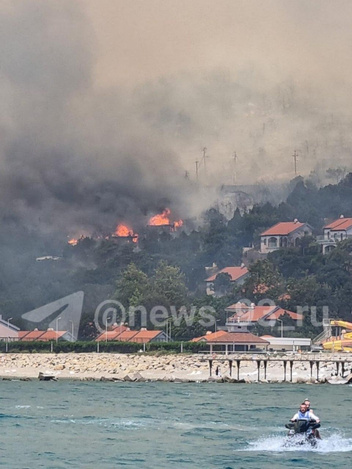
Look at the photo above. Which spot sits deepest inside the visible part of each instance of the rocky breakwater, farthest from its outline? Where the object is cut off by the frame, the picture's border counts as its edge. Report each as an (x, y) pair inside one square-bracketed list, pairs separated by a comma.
[(105, 366), (176, 368)]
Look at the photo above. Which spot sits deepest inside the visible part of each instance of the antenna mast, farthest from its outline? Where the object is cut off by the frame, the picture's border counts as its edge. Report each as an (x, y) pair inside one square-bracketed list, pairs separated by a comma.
[(204, 160), (295, 155), (197, 170), (234, 175)]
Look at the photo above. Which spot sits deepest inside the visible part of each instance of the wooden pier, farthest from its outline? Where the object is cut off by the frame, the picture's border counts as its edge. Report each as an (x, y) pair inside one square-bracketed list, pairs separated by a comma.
[(342, 364)]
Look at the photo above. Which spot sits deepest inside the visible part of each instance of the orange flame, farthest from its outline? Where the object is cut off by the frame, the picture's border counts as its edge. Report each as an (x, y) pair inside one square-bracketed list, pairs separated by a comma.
[(163, 218), (124, 231), (160, 219), (178, 224), (73, 242)]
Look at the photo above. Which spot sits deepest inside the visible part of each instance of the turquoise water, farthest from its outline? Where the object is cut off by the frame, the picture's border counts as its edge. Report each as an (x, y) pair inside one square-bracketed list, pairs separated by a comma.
[(160, 425)]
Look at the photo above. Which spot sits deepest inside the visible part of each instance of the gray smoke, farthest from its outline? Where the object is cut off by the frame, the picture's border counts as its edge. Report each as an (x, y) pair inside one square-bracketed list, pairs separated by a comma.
[(77, 157), (72, 159)]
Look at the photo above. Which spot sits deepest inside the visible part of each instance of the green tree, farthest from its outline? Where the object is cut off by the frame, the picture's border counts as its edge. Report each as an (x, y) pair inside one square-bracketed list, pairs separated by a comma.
[(169, 285), (132, 287), (222, 284), (264, 281)]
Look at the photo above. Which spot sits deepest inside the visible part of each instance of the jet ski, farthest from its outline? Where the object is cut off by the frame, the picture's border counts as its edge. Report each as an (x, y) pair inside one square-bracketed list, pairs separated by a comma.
[(302, 432)]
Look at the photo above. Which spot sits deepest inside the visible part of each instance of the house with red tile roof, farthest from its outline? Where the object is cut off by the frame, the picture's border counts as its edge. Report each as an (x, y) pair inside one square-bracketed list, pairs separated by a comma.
[(228, 342), (144, 336), (124, 334), (111, 333), (50, 335), (283, 234), (334, 232), (242, 314), (237, 275), (31, 335)]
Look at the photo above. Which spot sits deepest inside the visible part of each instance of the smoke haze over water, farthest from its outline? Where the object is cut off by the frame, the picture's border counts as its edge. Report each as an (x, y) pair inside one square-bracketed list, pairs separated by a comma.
[(106, 104)]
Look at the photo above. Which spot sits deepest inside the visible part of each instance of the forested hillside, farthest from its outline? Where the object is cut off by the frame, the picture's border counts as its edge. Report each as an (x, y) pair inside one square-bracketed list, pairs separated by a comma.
[(169, 267)]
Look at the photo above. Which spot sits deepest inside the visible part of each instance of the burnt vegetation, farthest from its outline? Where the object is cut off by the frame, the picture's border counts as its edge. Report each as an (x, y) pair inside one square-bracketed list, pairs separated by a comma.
[(168, 269)]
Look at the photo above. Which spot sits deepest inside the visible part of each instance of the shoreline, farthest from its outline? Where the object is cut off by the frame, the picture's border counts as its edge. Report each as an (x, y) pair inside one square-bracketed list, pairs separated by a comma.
[(168, 368)]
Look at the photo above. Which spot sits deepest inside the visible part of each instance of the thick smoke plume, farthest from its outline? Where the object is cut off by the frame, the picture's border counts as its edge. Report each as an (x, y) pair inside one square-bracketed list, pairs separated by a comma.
[(73, 159), (79, 157)]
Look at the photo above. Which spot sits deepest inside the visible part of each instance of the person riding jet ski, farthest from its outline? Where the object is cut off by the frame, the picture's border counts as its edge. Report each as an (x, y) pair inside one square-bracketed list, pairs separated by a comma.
[(303, 425), (307, 403), (305, 413)]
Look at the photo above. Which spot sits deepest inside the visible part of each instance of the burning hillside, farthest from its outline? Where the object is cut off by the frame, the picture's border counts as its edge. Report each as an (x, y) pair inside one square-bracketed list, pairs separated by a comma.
[(164, 219), (124, 231)]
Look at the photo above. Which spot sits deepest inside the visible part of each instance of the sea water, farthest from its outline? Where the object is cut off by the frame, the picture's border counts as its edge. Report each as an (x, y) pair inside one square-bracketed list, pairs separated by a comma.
[(68, 424)]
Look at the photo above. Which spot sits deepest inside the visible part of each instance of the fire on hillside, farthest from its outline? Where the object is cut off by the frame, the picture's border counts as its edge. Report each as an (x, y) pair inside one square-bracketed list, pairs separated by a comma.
[(125, 232)]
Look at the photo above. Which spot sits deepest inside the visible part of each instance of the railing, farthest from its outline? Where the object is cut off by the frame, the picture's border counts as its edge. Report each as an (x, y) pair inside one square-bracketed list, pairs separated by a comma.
[(326, 334)]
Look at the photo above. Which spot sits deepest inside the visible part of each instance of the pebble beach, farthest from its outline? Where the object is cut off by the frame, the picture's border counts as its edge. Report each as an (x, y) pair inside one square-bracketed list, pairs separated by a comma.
[(144, 367)]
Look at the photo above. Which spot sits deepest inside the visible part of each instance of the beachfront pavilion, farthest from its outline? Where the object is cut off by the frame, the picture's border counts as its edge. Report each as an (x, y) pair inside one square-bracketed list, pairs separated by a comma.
[(229, 342)]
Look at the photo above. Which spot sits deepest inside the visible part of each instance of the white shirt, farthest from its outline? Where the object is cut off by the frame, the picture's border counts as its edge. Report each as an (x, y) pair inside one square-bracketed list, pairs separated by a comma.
[(311, 415)]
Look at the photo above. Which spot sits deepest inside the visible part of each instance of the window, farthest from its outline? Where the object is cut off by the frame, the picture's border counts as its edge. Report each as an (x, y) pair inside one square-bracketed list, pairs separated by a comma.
[(272, 243)]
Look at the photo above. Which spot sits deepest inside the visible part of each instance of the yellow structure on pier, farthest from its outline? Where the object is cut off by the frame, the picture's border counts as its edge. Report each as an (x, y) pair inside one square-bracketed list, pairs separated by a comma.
[(343, 343)]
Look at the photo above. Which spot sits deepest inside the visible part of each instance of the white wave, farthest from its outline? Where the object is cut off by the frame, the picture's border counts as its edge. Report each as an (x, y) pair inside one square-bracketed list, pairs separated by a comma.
[(23, 406), (331, 444)]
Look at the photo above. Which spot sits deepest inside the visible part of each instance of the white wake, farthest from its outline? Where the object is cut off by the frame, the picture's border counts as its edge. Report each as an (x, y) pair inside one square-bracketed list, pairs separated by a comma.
[(336, 443)]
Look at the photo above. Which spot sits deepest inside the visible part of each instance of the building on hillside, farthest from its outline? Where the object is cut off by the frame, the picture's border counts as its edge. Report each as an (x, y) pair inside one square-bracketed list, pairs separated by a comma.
[(50, 335), (287, 344), (229, 342), (237, 274), (244, 315), (334, 232), (282, 235), (8, 332)]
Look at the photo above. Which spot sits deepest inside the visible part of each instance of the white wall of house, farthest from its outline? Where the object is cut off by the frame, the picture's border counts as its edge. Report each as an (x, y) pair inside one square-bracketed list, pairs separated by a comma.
[(337, 235), (7, 333), (273, 242), (288, 343)]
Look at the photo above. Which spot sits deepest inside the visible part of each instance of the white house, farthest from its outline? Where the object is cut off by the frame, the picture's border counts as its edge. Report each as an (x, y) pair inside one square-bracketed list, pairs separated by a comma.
[(8, 332), (282, 235), (285, 344), (334, 232)]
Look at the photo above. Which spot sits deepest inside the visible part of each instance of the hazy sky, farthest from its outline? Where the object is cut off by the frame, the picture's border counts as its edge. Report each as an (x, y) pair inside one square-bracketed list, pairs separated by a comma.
[(266, 45), (148, 39), (106, 103)]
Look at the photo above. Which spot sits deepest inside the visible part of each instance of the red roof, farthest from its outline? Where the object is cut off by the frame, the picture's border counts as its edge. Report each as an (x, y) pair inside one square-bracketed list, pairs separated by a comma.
[(339, 224), (126, 336), (52, 335), (209, 335), (109, 335), (234, 272), (238, 338), (145, 336), (22, 334), (40, 335), (280, 312), (256, 313), (283, 228), (33, 335), (119, 328)]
